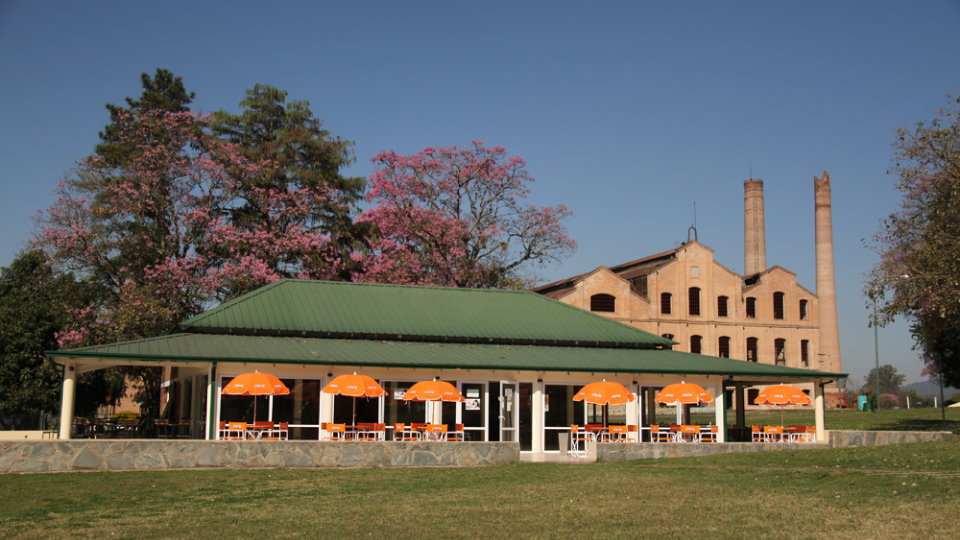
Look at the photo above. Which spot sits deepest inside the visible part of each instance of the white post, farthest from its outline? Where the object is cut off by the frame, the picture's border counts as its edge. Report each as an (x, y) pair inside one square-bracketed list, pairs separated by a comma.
[(68, 397), (818, 403), (908, 402), (721, 405), (537, 427), (212, 424)]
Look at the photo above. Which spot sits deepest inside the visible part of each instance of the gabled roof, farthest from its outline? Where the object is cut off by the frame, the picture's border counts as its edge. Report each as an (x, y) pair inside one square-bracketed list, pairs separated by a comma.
[(348, 352), (328, 309)]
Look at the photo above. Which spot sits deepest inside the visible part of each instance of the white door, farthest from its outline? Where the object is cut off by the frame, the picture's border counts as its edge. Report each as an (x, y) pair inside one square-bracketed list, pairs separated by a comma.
[(509, 411)]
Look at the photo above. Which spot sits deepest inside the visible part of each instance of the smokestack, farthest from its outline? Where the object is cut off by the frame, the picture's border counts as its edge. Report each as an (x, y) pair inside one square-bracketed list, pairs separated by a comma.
[(826, 282), (754, 234)]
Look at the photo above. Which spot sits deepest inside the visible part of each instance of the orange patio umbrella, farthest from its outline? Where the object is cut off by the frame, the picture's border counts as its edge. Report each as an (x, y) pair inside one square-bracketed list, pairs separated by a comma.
[(433, 391), (604, 393), (354, 386), (255, 384), (683, 393), (782, 394)]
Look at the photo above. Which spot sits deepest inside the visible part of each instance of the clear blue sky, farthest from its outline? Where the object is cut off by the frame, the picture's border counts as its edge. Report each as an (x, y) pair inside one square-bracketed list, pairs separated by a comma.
[(627, 112)]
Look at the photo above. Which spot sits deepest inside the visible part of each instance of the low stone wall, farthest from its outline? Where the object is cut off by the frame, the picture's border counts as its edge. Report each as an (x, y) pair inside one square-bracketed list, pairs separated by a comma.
[(841, 439), (837, 439), (143, 455), (629, 451)]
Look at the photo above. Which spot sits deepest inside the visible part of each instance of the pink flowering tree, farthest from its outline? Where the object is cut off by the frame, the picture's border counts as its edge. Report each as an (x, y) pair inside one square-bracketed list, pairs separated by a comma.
[(919, 244), (155, 230), (455, 217)]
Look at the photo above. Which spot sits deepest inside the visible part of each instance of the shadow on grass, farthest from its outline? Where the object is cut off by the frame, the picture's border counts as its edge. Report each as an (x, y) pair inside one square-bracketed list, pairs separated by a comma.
[(917, 424)]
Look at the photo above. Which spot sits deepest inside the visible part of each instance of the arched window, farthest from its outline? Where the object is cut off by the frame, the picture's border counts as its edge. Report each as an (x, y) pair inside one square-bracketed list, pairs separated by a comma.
[(723, 350), (780, 351), (751, 307), (778, 305), (721, 306), (751, 349), (668, 336), (665, 301), (804, 353), (803, 310), (603, 302), (694, 300), (696, 344)]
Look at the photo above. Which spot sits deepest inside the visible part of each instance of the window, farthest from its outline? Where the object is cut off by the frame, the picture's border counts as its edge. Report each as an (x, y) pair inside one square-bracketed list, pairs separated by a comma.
[(694, 272), (723, 351), (804, 358), (668, 336), (803, 310), (696, 344), (751, 307), (779, 351), (751, 349), (639, 285), (694, 301), (721, 306), (665, 303), (603, 302), (778, 305), (752, 394)]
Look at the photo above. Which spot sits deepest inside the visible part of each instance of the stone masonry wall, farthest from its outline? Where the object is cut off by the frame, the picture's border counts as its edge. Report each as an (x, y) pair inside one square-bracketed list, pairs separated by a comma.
[(838, 439), (121, 455)]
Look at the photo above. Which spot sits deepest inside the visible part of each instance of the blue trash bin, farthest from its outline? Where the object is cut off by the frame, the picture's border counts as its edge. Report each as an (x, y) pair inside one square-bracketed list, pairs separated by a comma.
[(861, 401)]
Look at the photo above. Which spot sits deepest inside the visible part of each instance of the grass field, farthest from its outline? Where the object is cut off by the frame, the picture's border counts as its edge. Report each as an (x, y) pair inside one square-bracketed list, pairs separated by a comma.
[(903, 491)]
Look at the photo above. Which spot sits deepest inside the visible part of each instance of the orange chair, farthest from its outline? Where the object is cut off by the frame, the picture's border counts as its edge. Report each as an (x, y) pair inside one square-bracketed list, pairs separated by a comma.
[(576, 437), (756, 434), (222, 429), (260, 429), (631, 429), (437, 432), (709, 435), (236, 431), (687, 431), (457, 433), (773, 433), (366, 431), (659, 435), (338, 432), (401, 433), (277, 433), (616, 433)]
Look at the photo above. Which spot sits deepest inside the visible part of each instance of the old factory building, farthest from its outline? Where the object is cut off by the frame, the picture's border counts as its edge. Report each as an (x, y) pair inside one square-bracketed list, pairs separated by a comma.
[(683, 294)]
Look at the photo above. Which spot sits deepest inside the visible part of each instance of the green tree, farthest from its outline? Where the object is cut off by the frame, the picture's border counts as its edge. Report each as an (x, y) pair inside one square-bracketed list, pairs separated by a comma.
[(163, 91), (919, 245), (305, 158), (890, 380), (35, 306)]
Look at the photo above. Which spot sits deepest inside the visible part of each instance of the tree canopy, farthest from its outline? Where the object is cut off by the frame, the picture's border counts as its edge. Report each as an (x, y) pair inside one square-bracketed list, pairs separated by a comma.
[(918, 275), (305, 159), (454, 217), (890, 380)]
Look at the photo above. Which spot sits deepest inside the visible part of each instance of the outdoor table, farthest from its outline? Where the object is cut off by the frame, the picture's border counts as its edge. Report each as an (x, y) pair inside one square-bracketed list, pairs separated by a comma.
[(773, 434), (436, 432), (688, 434), (614, 433)]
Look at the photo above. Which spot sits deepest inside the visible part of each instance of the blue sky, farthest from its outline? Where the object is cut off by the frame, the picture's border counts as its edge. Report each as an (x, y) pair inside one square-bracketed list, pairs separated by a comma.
[(627, 112)]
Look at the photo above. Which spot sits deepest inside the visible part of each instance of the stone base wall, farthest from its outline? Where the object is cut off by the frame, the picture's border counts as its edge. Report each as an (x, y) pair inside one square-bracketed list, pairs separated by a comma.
[(144, 455), (840, 439), (837, 439), (629, 451)]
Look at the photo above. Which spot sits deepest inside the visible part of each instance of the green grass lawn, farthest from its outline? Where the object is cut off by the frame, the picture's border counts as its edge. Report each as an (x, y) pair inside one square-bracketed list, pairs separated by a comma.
[(902, 491)]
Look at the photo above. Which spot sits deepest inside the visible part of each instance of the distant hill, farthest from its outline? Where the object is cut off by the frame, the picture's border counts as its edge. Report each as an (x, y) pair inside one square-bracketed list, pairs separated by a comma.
[(930, 389)]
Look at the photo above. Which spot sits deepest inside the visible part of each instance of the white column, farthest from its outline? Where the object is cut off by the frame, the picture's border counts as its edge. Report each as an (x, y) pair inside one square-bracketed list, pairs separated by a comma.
[(721, 404), (537, 423), (818, 402), (68, 397), (212, 423)]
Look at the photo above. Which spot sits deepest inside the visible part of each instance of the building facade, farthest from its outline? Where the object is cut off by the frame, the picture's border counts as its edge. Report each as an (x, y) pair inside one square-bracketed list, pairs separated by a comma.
[(684, 295)]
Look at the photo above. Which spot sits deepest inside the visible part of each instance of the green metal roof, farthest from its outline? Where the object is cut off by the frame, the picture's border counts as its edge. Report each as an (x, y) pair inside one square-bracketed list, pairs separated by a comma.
[(328, 309), (316, 351)]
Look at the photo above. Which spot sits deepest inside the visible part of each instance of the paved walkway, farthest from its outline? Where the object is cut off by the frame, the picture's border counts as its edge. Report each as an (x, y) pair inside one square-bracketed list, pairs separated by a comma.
[(555, 457)]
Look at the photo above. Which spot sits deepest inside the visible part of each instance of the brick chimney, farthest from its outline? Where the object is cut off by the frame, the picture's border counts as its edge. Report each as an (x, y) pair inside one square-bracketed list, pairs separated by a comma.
[(754, 234), (826, 282)]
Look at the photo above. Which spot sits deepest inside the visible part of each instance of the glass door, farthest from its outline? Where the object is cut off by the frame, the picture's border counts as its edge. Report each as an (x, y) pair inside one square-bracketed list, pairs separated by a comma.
[(509, 411), (474, 410)]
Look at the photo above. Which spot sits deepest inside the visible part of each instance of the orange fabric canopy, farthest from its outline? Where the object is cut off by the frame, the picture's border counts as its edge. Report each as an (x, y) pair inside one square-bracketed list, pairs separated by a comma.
[(433, 391), (683, 393), (604, 393), (782, 394), (255, 384), (354, 385)]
